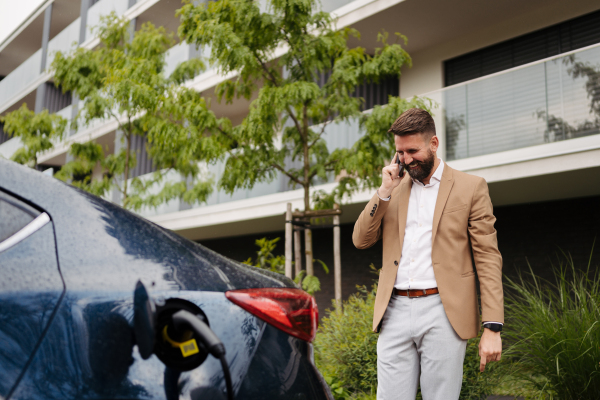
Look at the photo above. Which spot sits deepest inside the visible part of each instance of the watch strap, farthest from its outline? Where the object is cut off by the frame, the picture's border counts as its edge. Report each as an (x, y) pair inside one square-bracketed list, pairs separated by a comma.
[(493, 326)]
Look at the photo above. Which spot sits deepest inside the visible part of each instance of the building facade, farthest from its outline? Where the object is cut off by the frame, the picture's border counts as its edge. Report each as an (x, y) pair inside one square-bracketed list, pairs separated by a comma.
[(517, 84)]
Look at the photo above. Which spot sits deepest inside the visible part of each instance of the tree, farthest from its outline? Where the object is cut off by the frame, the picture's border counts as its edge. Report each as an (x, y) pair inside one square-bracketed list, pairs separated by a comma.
[(279, 54), (123, 80), (36, 131)]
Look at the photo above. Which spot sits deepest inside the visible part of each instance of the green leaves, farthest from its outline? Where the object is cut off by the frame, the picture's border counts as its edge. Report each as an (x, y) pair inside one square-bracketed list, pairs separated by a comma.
[(280, 52), (37, 132), (346, 348), (123, 80), (554, 337), (265, 258)]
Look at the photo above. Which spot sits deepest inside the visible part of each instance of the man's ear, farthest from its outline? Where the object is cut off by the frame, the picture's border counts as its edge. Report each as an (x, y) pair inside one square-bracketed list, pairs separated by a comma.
[(434, 143)]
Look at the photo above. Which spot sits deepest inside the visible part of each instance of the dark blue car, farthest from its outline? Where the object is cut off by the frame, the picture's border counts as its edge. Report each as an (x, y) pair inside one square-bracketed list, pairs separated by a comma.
[(97, 303)]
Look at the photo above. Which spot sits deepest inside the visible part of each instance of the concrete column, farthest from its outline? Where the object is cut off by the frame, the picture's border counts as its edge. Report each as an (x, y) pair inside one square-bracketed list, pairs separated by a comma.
[(41, 90), (130, 4), (83, 13)]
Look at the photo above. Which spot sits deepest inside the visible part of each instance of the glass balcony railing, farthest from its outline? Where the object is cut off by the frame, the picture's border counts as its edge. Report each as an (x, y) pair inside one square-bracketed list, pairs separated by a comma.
[(549, 101), (214, 171), (177, 54), (65, 41), (19, 79), (332, 5), (539, 103)]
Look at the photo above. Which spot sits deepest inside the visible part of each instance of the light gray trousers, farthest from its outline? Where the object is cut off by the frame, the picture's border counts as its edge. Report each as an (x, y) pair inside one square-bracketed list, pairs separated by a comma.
[(417, 341)]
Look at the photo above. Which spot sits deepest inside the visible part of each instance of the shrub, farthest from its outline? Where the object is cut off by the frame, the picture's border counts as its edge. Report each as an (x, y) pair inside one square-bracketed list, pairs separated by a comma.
[(346, 353), (265, 259), (554, 335), (345, 346)]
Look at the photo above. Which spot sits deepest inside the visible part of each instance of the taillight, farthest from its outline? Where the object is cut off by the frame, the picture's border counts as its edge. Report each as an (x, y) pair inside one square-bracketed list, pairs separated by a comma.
[(292, 310)]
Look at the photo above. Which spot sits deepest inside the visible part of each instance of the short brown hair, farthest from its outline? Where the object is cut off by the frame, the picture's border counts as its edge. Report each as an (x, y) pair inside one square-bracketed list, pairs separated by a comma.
[(413, 121)]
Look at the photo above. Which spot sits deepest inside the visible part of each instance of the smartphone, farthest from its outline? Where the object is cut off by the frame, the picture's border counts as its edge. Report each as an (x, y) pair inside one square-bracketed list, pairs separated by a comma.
[(401, 170)]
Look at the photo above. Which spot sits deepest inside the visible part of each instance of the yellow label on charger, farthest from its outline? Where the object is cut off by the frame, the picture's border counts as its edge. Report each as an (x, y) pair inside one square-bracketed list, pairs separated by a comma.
[(189, 348)]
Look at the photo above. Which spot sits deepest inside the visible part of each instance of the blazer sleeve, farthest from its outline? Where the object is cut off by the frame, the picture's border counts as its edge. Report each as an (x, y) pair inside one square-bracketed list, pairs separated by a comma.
[(368, 227), (488, 261)]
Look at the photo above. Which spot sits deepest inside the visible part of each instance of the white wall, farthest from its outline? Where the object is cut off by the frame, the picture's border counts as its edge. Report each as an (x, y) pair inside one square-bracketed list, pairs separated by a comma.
[(427, 72)]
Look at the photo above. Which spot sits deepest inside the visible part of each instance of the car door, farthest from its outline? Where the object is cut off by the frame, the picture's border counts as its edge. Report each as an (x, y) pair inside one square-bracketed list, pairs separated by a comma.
[(30, 285)]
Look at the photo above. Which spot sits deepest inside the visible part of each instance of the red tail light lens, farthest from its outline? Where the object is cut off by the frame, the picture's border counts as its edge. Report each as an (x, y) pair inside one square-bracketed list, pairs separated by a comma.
[(292, 310)]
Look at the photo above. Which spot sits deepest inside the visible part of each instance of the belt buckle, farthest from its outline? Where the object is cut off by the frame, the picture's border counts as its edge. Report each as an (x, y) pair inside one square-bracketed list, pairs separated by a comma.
[(425, 292)]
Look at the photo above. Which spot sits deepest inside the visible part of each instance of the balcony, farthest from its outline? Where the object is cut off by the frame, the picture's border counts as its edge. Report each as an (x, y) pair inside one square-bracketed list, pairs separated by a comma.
[(25, 78), (22, 80), (532, 105), (536, 104)]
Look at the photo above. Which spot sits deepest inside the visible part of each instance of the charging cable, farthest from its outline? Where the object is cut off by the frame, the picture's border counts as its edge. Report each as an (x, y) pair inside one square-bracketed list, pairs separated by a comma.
[(184, 319)]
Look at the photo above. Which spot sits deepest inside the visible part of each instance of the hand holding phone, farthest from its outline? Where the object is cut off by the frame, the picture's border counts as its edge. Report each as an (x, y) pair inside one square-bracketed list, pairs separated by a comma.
[(400, 166), (391, 176)]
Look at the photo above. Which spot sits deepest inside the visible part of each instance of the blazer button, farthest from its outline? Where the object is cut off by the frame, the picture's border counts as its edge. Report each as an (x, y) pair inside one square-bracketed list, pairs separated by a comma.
[(371, 214), (395, 262)]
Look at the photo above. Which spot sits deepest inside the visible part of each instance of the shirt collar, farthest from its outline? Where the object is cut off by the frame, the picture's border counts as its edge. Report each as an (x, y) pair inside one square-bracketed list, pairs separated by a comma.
[(436, 177)]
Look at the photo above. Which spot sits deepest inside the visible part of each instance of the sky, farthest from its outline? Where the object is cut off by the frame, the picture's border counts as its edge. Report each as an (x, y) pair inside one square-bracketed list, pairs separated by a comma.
[(13, 12)]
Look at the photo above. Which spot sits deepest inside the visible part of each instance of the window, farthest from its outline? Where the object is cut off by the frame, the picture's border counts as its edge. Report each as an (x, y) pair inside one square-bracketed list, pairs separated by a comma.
[(14, 216), (556, 39)]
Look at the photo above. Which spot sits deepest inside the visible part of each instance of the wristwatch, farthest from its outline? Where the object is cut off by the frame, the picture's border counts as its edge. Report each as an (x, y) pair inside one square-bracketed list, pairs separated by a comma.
[(493, 327)]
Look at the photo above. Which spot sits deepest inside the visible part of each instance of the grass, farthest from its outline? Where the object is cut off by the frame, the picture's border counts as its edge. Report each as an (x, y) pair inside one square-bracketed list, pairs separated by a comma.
[(553, 335)]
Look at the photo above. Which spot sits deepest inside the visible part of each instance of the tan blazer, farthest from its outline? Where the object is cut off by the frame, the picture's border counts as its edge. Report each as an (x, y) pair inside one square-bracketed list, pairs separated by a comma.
[(463, 235)]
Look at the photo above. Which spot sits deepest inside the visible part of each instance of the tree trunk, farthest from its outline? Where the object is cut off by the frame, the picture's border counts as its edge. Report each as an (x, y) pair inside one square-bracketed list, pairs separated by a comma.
[(337, 261), (307, 233), (297, 252)]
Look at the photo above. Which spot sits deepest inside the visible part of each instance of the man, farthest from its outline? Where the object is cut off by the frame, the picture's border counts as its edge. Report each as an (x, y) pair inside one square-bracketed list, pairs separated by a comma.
[(435, 223)]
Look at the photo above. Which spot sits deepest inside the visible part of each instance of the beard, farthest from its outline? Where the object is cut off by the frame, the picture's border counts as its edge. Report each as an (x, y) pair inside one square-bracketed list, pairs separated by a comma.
[(423, 168)]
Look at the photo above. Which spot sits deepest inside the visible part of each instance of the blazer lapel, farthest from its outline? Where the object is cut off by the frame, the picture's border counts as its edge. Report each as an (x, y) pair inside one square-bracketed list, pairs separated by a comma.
[(403, 199), (445, 187)]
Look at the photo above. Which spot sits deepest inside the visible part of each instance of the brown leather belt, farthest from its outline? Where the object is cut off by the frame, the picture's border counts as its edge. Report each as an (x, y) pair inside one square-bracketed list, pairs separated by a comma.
[(416, 292)]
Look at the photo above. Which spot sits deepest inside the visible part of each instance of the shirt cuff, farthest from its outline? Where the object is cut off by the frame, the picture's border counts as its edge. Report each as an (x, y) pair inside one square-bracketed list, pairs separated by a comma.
[(381, 198)]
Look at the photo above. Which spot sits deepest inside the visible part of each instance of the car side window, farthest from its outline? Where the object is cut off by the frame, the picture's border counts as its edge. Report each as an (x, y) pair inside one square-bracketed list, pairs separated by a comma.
[(30, 285), (14, 215)]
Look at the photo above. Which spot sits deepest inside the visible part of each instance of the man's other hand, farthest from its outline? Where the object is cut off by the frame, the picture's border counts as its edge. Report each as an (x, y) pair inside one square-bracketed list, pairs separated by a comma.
[(490, 347), (389, 178)]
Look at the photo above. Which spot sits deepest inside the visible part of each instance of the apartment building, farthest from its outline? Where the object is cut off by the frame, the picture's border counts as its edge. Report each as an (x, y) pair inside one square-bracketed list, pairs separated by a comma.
[(515, 107)]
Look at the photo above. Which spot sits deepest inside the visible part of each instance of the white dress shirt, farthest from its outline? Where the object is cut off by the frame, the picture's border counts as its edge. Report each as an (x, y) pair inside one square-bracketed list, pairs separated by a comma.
[(416, 268)]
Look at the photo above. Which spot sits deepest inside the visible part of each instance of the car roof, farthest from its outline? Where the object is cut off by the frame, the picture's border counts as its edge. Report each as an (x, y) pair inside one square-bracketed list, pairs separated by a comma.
[(101, 246)]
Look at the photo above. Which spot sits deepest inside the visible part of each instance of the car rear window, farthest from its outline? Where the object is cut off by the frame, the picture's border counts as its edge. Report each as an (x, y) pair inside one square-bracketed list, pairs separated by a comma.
[(14, 215)]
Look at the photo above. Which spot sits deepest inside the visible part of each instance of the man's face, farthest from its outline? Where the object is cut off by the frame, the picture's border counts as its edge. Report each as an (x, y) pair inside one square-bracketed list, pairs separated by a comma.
[(417, 153)]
